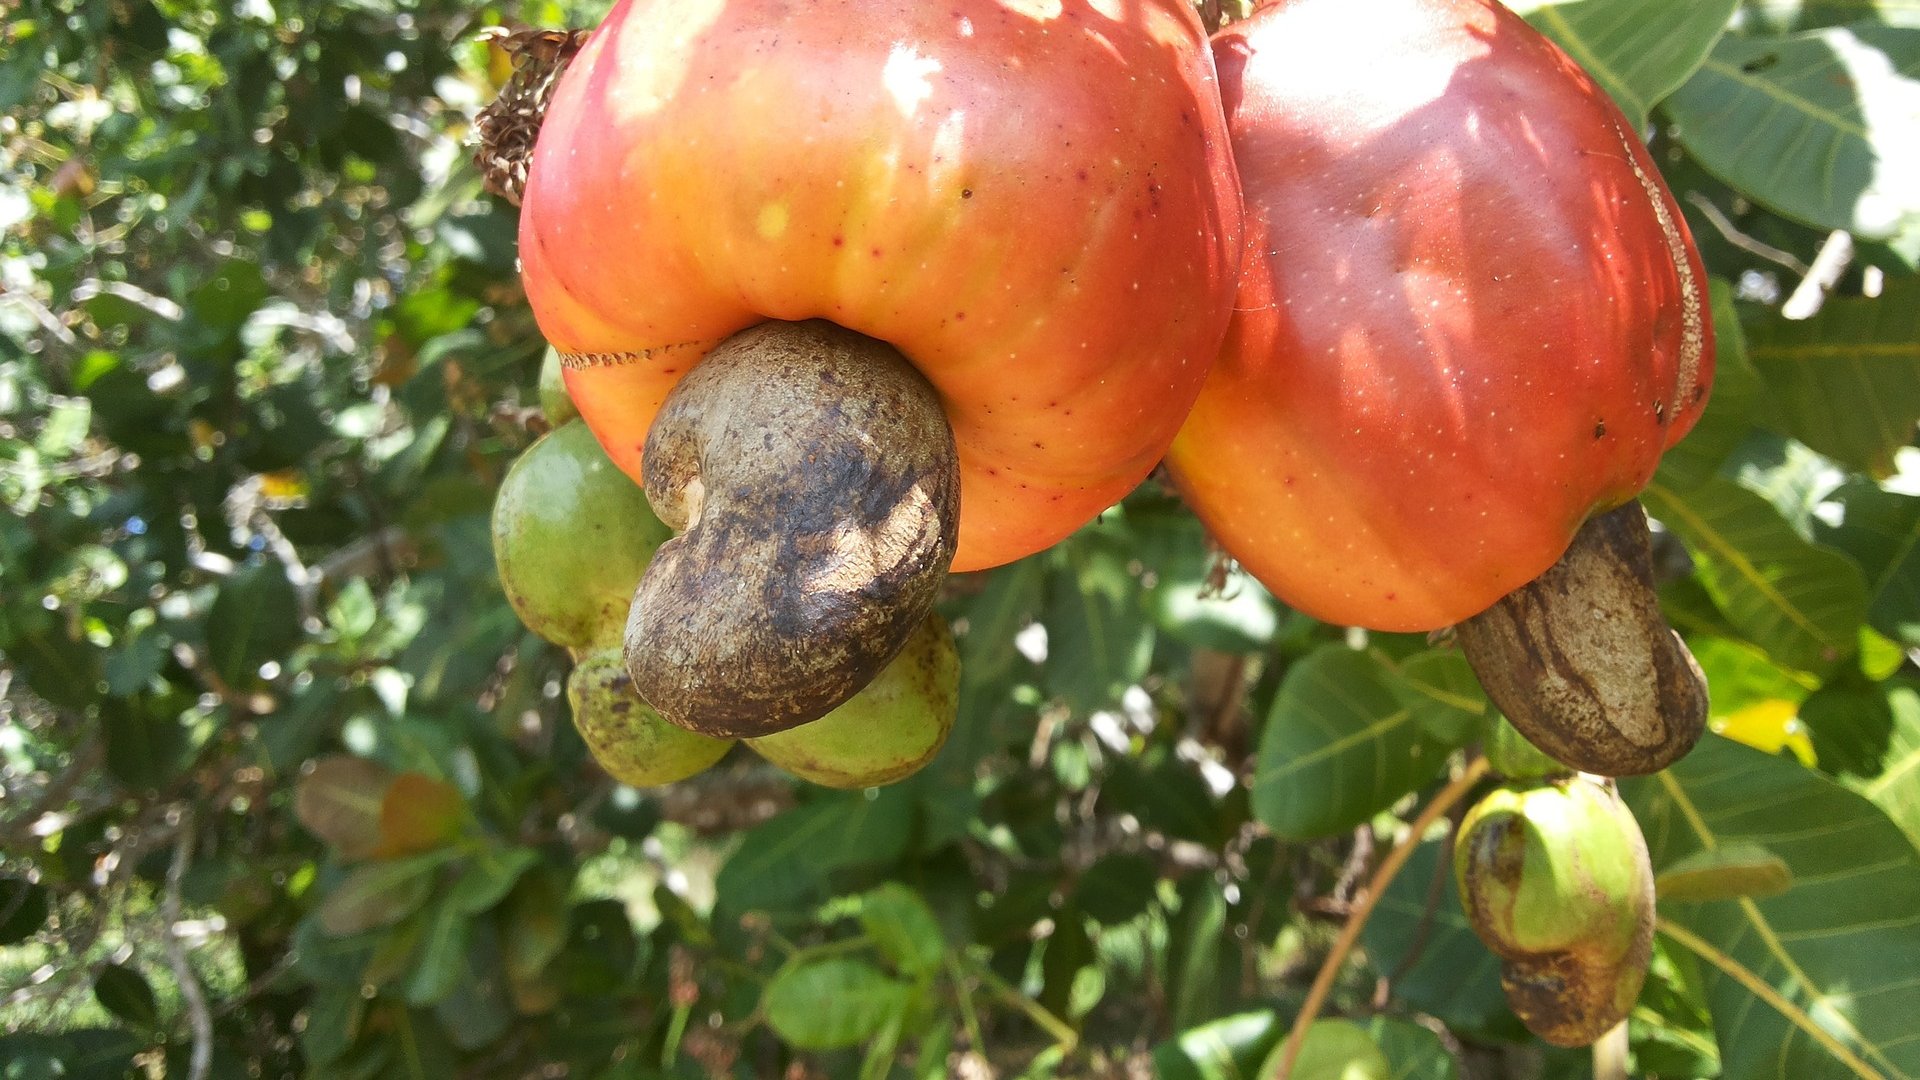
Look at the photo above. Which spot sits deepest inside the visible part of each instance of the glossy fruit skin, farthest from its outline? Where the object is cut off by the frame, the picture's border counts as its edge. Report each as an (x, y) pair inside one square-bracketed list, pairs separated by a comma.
[(1556, 879), (571, 537), (1470, 315), (631, 741), (1032, 200), (889, 730)]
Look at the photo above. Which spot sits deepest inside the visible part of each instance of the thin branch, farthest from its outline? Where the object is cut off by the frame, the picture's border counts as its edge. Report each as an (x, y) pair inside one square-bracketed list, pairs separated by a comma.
[(1363, 908), (191, 993), (1732, 234), (1836, 254)]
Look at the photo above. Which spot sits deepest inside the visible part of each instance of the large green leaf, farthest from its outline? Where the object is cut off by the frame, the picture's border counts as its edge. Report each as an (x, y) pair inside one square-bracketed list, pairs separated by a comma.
[(1847, 381), (789, 860), (1638, 50), (1803, 603), (1896, 787), (1817, 981), (1818, 126), (831, 1003), (1420, 939), (1230, 1048), (1781, 16), (1339, 746), (1099, 638)]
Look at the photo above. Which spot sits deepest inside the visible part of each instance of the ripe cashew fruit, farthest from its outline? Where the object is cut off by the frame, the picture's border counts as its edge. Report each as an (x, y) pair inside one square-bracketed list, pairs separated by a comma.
[(1470, 313), (1557, 881), (1029, 208)]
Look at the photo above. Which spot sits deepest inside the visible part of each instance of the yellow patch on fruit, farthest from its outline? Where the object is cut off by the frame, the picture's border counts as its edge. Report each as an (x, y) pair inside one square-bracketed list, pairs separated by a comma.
[(1771, 726), (773, 221)]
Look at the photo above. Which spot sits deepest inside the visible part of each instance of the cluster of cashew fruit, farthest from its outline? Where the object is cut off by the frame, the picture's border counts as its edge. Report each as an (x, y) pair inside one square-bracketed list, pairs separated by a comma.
[(863, 293), (573, 538)]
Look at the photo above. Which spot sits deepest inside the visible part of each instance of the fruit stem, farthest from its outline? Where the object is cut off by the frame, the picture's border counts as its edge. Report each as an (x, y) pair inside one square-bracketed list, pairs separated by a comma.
[(814, 478), (509, 124), (1364, 904)]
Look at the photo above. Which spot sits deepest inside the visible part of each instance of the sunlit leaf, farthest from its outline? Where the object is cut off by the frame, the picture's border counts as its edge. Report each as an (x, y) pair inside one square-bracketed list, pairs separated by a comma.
[(1835, 952), (1638, 50)]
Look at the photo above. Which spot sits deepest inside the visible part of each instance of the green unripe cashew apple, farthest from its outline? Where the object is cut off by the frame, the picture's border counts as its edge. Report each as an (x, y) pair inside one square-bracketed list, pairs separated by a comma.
[(630, 740), (1557, 881), (1514, 757), (1471, 318), (889, 730), (555, 406), (571, 538), (1006, 233)]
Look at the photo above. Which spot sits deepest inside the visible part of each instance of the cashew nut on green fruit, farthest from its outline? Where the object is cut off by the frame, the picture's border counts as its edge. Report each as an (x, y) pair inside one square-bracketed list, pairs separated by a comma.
[(886, 732), (628, 738), (571, 537), (1557, 881)]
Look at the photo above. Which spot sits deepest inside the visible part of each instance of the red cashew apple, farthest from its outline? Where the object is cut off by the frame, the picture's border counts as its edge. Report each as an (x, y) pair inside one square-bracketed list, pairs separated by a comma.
[(1470, 315), (1028, 207)]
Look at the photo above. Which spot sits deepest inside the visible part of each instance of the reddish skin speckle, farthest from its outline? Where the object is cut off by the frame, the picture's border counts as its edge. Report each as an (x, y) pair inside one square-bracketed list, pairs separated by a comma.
[(839, 241)]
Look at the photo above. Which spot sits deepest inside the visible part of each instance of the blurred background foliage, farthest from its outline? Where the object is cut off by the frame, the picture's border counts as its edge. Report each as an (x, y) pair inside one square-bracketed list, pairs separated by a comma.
[(286, 790)]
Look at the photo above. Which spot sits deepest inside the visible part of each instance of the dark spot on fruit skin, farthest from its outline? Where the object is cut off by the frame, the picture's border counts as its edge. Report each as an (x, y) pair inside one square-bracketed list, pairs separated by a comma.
[(839, 241), (1660, 412), (966, 193), (1600, 429)]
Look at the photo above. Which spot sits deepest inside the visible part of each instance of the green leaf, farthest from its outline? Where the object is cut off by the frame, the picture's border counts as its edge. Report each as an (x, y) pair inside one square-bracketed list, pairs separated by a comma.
[(1847, 381), (1339, 747), (1783, 16), (1420, 938), (1895, 786), (255, 618), (124, 992), (1817, 126), (1837, 950), (23, 909), (379, 894), (441, 958), (1803, 603), (1413, 1052), (1725, 873), (831, 1003), (1639, 51), (1444, 694), (1231, 1048), (1099, 640), (903, 928), (1117, 889), (1200, 954), (786, 862), (488, 875)]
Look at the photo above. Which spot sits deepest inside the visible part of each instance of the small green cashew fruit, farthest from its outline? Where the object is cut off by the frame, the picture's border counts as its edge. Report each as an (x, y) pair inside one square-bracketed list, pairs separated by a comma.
[(1557, 881), (556, 405), (571, 537), (887, 731), (1514, 756), (630, 740)]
